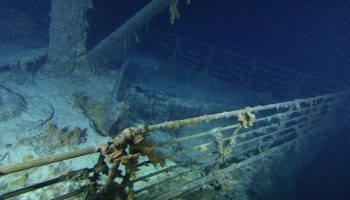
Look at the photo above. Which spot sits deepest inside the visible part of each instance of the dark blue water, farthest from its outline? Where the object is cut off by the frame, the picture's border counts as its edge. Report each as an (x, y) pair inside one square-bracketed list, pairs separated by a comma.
[(328, 175), (307, 35)]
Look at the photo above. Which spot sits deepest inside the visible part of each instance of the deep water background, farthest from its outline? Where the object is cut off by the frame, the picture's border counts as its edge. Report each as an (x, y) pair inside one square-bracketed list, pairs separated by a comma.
[(312, 36), (327, 176)]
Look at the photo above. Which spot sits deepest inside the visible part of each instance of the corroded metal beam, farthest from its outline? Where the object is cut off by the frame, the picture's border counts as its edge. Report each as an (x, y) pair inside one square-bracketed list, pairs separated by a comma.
[(130, 27)]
